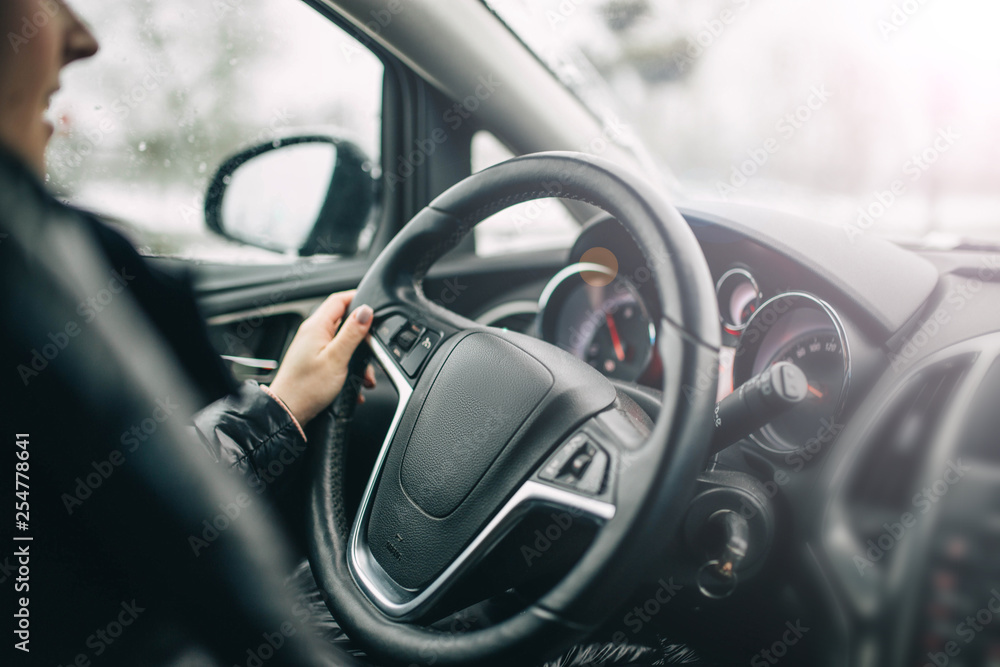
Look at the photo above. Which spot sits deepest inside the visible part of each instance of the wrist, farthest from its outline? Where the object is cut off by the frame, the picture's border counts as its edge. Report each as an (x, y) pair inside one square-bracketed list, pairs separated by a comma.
[(296, 417)]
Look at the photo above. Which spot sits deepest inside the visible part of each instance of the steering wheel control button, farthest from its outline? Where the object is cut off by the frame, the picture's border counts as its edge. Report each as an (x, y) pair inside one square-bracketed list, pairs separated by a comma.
[(423, 348), (559, 460), (406, 339), (389, 328), (579, 464)]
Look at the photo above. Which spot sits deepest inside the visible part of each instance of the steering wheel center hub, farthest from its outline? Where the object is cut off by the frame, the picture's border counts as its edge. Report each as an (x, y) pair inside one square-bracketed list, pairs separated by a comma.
[(482, 396), (488, 411)]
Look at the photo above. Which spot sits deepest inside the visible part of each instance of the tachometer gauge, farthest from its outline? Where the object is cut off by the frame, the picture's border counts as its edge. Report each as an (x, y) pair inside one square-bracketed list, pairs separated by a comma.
[(615, 337), (805, 331), (606, 325)]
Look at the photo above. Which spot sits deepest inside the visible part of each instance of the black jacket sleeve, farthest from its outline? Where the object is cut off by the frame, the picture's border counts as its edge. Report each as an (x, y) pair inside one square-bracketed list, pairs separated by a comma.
[(251, 432)]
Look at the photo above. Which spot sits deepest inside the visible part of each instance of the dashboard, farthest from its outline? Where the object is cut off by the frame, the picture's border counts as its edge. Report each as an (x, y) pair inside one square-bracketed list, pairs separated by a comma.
[(898, 347)]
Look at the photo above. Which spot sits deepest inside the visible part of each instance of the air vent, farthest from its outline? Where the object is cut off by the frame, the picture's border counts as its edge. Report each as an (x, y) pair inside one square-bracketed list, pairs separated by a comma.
[(979, 441), (898, 445)]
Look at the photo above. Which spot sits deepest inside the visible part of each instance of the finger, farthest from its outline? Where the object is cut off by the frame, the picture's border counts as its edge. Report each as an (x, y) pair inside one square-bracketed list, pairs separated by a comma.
[(354, 330), (361, 399), (369, 378), (332, 310)]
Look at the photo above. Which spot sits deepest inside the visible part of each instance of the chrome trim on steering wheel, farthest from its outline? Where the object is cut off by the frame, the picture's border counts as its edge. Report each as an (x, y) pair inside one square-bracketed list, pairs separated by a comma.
[(401, 603)]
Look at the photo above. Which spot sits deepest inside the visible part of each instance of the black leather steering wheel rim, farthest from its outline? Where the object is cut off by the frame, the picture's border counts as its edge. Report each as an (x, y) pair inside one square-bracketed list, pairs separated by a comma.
[(664, 472)]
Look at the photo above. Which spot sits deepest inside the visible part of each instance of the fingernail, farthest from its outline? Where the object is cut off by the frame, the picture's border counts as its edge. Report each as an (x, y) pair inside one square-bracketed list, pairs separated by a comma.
[(363, 314)]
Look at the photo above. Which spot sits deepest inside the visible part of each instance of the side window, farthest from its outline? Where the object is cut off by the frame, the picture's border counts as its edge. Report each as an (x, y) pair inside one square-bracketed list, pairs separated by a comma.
[(536, 225), (179, 87)]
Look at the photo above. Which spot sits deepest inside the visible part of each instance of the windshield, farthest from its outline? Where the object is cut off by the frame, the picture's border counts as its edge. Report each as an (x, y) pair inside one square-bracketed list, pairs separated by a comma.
[(882, 117)]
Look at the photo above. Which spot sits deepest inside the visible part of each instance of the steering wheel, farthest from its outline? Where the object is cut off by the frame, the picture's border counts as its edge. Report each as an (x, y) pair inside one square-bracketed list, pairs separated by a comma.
[(492, 424)]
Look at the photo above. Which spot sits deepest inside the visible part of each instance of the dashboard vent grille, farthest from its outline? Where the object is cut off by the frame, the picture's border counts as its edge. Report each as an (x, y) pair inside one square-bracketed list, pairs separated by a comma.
[(892, 456), (980, 439)]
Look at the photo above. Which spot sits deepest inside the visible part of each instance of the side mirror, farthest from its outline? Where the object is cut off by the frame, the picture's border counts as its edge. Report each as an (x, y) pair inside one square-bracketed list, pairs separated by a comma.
[(307, 194)]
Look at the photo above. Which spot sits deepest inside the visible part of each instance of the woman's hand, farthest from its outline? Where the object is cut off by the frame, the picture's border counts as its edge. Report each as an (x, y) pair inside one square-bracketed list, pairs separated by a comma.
[(315, 366)]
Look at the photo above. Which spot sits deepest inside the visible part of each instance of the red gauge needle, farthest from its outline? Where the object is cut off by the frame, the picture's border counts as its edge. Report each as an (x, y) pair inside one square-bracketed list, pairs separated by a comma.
[(615, 339), (814, 391)]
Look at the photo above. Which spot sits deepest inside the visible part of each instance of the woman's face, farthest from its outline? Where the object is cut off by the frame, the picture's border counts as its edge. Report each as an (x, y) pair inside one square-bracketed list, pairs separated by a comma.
[(39, 38)]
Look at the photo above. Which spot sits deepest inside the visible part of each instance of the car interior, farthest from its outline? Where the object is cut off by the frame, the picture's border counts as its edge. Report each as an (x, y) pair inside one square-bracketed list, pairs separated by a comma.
[(715, 432)]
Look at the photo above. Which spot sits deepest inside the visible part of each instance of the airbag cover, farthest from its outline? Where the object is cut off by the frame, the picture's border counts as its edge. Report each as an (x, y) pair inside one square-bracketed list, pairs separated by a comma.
[(483, 394)]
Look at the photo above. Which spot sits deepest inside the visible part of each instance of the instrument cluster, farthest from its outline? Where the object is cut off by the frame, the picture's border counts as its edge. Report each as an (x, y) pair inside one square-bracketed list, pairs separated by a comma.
[(600, 309)]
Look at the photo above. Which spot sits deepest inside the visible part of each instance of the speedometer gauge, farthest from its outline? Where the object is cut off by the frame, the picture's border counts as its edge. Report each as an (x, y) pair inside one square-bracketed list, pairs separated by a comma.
[(820, 357), (606, 325), (800, 329)]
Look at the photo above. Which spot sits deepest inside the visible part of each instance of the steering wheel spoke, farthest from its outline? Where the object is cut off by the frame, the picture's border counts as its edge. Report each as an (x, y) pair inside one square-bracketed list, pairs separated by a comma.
[(404, 604)]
